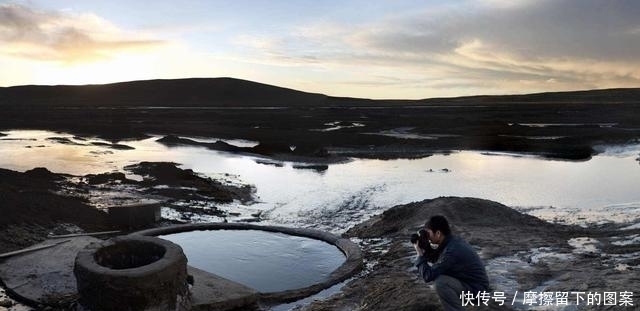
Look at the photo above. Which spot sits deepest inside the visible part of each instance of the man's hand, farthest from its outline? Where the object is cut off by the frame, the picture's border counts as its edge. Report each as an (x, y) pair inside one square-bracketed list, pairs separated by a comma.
[(419, 250)]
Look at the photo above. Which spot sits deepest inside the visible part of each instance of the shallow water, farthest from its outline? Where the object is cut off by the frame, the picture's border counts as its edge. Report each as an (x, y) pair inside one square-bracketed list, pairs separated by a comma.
[(603, 189), (257, 258)]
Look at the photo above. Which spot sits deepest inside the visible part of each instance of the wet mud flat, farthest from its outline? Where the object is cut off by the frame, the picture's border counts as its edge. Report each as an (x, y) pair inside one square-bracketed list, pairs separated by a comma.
[(565, 131), (521, 253), (296, 126)]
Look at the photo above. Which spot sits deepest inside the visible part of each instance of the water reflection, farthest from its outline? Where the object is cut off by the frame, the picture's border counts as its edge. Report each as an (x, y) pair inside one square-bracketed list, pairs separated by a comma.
[(599, 190), (257, 258)]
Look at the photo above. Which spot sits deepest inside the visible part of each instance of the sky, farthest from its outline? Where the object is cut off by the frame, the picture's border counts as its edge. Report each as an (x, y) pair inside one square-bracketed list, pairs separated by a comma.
[(405, 49)]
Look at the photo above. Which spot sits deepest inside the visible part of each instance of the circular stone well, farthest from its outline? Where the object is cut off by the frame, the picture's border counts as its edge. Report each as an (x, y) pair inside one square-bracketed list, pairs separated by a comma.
[(140, 272), (201, 239)]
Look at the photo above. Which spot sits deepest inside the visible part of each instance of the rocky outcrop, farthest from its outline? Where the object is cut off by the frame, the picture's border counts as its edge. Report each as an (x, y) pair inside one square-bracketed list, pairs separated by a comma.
[(98, 179), (186, 184)]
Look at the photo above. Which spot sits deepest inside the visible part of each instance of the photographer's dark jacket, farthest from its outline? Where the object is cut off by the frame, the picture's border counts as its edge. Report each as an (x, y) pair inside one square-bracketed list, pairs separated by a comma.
[(457, 259)]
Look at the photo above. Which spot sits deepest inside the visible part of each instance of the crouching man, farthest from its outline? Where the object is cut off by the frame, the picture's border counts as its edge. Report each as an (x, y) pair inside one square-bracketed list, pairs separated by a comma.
[(454, 266)]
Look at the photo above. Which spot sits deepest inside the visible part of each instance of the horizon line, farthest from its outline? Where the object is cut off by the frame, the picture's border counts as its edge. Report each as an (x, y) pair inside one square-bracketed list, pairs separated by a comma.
[(314, 93)]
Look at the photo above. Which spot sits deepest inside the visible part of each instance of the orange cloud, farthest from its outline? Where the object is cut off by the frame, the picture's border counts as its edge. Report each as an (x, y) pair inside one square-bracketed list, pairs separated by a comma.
[(65, 37)]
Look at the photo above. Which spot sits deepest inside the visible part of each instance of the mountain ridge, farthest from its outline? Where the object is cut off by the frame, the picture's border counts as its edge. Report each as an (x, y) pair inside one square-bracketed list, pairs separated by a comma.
[(163, 92), (232, 92)]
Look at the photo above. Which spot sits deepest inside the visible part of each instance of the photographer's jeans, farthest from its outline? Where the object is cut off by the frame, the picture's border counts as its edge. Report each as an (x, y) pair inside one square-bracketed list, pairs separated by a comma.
[(449, 290)]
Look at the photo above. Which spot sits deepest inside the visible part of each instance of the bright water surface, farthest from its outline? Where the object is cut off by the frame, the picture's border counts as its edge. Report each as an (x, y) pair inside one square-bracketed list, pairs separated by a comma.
[(603, 189), (257, 258)]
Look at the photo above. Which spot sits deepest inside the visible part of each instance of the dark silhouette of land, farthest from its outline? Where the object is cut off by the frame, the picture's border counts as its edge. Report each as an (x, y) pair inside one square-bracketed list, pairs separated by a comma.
[(563, 125)]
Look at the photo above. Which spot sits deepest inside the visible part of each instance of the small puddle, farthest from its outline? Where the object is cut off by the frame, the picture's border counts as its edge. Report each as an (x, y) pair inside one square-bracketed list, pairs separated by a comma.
[(256, 258)]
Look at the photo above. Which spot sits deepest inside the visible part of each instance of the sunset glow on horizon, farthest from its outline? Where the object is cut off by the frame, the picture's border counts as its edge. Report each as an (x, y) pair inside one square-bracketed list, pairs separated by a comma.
[(371, 49)]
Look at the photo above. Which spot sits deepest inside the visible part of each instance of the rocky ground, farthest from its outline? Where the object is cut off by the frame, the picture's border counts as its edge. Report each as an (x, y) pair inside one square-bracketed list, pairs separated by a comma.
[(6, 303)]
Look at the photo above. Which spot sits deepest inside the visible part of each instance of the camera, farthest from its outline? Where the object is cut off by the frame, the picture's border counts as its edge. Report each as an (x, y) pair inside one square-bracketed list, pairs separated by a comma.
[(421, 238)]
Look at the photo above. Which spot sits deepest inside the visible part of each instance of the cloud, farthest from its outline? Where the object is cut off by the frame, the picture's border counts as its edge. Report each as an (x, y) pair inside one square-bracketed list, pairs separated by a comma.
[(63, 36), (499, 46), (528, 37)]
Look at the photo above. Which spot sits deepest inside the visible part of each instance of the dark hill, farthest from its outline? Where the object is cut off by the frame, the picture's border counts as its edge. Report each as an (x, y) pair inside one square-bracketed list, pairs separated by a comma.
[(620, 95), (229, 92), (197, 92)]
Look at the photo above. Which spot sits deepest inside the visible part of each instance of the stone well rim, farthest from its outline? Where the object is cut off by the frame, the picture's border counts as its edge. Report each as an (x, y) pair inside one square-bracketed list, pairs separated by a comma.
[(353, 262), (86, 259)]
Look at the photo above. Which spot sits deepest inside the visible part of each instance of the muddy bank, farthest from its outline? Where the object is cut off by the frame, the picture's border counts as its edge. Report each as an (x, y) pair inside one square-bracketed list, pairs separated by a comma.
[(167, 179), (183, 192), (39, 202), (521, 253), (31, 207), (279, 151), (82, 142)]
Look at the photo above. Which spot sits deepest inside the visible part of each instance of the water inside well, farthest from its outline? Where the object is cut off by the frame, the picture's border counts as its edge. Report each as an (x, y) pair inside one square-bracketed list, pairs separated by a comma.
[(264, 261)]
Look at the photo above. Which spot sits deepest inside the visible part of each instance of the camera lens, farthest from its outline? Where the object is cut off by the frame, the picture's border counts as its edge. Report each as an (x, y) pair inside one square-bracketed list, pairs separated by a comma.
[(414, 238)]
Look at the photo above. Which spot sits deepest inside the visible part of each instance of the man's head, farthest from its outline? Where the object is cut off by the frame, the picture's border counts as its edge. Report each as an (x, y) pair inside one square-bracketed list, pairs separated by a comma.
[(438, 229)]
